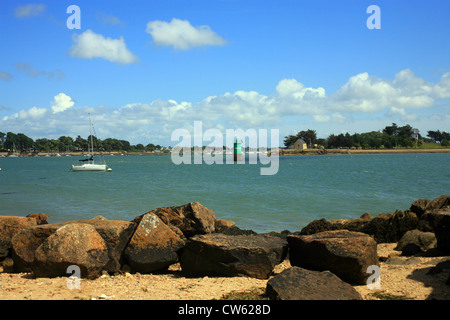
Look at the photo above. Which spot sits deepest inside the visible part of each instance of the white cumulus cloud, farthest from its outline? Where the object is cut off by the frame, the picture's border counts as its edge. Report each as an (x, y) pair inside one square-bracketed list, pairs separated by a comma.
[(90, 45), (442, 88), (61, 102), (364, 102), (182, 35)]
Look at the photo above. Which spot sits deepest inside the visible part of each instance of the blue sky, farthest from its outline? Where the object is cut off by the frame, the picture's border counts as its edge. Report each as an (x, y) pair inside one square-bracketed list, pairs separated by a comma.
[(145, 68)]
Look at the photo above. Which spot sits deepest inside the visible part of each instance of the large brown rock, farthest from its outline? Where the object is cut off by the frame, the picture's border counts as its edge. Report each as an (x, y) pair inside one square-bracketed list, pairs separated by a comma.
[(385, 228), (442, 230), (9, 226), (192, 218), (74, 244), (301, 284), (390, 227), (25, 243), (232, 255), (345, 253), (115, 233), (153, 246)]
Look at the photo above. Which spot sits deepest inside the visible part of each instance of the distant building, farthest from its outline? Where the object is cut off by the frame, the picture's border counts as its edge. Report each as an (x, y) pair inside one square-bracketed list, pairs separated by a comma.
[(300, 145), (415, 133)]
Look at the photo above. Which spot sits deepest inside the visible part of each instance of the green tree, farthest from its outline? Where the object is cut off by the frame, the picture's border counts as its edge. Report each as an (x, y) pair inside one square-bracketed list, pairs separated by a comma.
[(309, 136), (289, 141)]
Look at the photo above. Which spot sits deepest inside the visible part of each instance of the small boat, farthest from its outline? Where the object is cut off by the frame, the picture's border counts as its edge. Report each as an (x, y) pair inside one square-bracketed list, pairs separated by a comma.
[(89, 164)]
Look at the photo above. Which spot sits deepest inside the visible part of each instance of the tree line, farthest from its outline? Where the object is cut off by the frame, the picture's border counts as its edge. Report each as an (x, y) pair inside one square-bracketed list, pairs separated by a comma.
[(390, 137), (21, 143)]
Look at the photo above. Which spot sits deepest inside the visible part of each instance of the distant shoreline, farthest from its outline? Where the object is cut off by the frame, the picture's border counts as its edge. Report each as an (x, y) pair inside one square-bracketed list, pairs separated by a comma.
[(291, 152), (82, 154), (282, 152)]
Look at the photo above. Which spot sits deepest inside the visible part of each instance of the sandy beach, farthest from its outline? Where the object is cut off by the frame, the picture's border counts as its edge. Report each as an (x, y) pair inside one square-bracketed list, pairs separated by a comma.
[(405, 279)]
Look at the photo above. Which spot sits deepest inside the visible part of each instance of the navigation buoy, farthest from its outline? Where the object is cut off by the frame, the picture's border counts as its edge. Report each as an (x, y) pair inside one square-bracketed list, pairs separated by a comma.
[(237, 151)]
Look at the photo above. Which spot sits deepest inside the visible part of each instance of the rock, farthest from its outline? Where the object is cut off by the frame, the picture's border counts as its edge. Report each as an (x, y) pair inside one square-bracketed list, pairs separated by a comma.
[(192, 218), (116, 234), (427, 222), (223, 224), (357, 225), (319, 225), (419, 206), (153, 246), (402, 261), (416, 242), (390, 227), (73, 244), (442, 230), (442, 202), (9, 226), (232, 255), (41, 218), (346, 253), (235, 231), (8, 265), (25, 243), (300, 284), (282, 234)]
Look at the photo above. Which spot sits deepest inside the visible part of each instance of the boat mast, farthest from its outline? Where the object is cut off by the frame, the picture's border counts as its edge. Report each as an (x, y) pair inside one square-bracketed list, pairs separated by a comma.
[(92, 143)]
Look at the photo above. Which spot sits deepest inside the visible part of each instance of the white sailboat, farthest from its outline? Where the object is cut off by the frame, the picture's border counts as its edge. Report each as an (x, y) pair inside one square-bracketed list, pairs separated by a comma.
[(89, 164)]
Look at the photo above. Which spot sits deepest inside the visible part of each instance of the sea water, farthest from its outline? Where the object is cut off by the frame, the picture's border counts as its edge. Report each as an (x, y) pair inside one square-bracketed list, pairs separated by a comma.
[(305, 187)]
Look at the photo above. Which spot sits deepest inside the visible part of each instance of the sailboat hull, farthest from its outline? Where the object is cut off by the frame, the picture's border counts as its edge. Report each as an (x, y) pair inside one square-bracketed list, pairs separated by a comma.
[(89, 167)]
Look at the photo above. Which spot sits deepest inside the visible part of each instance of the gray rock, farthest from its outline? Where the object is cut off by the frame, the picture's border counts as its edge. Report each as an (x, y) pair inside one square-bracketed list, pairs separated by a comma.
[(416, 242), (153, 246), (300, 284), (232, 255)]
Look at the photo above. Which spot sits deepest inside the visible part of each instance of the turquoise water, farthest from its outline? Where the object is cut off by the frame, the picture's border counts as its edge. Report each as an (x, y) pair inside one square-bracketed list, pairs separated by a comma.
[(305, 187)]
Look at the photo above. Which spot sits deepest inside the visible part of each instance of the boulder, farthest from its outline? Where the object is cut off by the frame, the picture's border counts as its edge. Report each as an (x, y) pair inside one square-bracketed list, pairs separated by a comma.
[(153, 246), (442, 202), (75, 244), (357, 225), (419, 206), (115, 233), (416, 242), (223, 224), (232, 255), (346, 253), (41, 218), (390, 227), (192, 218), (25, 243), (301, 284), (229, 227), (9, 226), (442, 230)]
